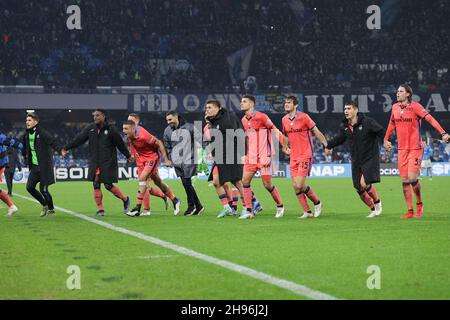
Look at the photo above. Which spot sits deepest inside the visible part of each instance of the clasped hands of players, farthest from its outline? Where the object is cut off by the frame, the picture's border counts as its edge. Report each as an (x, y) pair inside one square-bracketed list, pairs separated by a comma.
[(446, 137), (328, 152)]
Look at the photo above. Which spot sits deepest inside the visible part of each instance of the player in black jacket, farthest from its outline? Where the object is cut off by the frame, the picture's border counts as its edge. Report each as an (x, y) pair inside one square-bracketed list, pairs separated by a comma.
[(103, 168), (38, 148), (363, 134), (227, 165)]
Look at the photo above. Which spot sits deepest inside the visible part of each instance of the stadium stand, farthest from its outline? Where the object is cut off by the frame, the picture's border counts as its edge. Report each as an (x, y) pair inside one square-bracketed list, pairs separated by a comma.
[(187, 45)]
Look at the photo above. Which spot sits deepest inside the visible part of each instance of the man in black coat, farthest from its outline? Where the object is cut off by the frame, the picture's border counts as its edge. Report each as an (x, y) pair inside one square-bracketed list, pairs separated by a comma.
[(11, 168), (38, 147), (227, 153), (103, 168), (363, 134)]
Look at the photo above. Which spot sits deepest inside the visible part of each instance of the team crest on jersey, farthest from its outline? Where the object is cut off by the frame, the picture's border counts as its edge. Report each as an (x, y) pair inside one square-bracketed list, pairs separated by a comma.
[(37, 136), (106, 132), (360, 127)]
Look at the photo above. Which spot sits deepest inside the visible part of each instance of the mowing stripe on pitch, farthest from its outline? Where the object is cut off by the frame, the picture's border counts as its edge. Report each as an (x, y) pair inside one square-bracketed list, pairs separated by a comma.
[(281, 283)]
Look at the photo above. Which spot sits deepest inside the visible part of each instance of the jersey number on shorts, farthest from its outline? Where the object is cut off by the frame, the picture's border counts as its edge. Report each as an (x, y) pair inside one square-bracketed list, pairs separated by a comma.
[(305, 165)]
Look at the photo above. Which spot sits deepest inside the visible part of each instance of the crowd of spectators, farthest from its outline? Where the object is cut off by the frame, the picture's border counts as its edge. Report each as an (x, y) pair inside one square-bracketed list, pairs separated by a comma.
[(184, 44)]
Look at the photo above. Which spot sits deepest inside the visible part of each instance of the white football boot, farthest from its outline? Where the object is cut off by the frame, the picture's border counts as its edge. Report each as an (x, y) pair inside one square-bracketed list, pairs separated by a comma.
[(280, 212)]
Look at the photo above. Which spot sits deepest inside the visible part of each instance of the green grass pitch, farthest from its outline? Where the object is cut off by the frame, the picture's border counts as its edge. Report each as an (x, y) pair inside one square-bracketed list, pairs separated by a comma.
[(330, 254)]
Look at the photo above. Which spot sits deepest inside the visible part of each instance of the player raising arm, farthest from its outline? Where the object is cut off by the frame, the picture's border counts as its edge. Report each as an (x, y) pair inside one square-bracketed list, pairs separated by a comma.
[(406, 120)]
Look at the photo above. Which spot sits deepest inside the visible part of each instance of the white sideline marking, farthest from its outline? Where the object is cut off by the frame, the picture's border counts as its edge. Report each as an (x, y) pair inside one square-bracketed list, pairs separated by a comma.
[(264, 277), (157, 256)]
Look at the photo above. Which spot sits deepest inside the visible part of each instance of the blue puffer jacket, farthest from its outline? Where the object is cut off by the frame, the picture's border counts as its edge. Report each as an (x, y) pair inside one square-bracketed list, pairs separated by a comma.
[(4, 144)]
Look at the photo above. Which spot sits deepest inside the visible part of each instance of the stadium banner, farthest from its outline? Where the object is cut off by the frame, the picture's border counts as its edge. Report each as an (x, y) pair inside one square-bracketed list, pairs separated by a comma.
[(331, 170), (311, 102), (322, 170), (389, 169), (188, 103)]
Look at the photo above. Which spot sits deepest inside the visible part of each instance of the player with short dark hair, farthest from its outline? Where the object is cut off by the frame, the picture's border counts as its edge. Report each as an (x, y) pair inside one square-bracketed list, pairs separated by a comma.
[(298, 128), (219, 121), (363, 134), (104, 140), (228, 194), (181, 135), (148, 151), (156, 192), (258, 128), (38, 144), (406, 120)]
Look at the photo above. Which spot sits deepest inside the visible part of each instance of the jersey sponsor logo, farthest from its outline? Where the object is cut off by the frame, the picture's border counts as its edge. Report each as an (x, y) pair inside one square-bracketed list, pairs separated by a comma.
[(296, 130), (403, 120)]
